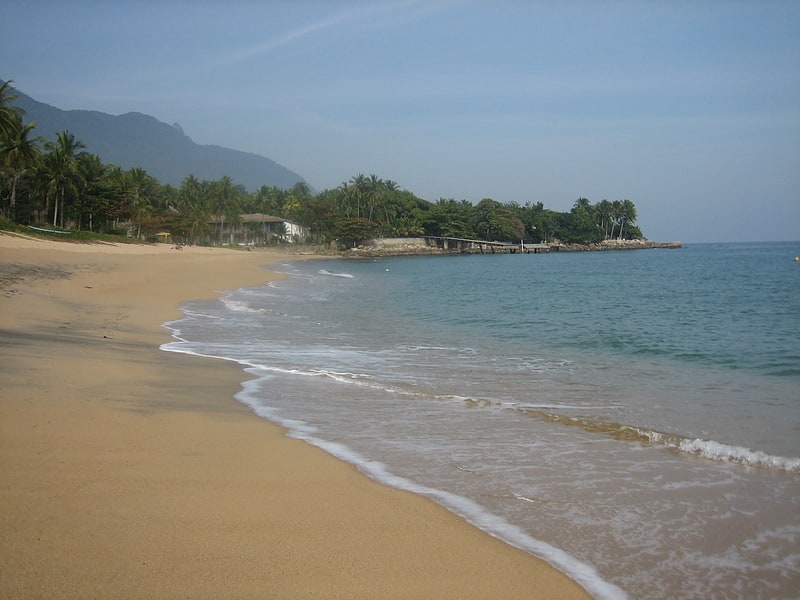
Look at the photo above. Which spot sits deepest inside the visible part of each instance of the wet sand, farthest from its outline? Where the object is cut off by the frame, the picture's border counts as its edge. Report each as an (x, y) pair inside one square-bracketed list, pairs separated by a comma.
[(129, 472)]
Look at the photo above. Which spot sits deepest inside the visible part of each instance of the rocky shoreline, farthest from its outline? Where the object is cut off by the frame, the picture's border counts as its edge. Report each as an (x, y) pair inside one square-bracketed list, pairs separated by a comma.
[(619, 245), (422, 247)]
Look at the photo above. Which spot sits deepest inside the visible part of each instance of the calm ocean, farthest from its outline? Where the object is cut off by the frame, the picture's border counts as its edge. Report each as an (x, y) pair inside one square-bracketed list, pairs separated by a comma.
[(633, 417)]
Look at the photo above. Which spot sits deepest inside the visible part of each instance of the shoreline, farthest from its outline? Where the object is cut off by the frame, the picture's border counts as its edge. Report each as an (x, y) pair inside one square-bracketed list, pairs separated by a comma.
[(385, 247), (120, 480)]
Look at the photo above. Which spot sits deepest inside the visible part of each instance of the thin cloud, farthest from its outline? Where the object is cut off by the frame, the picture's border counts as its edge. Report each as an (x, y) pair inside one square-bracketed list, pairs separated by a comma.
[(284, 39), (372, 14)]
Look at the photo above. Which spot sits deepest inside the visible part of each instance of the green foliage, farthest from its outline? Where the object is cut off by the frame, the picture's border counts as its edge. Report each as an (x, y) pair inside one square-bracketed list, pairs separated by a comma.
[(494, 221), (350, 232), (53, 183), (7, 224), (448, 218), (68, 236)]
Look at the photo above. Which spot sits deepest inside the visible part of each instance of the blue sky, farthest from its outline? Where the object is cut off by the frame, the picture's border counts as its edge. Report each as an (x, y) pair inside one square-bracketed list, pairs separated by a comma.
[(689, 108)]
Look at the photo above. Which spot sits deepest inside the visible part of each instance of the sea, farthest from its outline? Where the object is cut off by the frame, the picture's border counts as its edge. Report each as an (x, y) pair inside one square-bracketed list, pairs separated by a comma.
[(631, 417)]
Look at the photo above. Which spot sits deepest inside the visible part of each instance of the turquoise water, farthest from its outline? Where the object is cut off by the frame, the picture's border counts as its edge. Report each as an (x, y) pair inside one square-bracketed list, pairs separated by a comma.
[(633, 417)]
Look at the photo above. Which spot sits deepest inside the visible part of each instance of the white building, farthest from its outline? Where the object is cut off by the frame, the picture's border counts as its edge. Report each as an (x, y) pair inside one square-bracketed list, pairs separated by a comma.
[(257, 229)]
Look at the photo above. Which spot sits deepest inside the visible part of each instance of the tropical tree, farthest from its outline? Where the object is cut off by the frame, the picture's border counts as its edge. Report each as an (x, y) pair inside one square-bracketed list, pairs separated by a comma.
[(580, 224), (402, 211), (350, 232), (546, 225), (60, 173), (626, 215), (496, 221), (193, 202), (582, 204), (373, 195), (320, 215), (225, 203), (448, 218), (167, 197), (189, 193), (18, 153), (94, 193), (351, 199), (604, 211), (140, 191), (268, 200), (10, 115), (198, 218), (297, 197)]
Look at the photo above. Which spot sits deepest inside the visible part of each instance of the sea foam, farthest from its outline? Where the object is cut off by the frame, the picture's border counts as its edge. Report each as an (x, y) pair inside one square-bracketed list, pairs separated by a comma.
[(332, 274), (714, 450), (737, 454), (581, 572)]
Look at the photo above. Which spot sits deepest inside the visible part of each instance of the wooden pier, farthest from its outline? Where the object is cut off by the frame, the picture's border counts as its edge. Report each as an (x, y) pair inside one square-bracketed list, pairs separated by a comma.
[(454, 244)]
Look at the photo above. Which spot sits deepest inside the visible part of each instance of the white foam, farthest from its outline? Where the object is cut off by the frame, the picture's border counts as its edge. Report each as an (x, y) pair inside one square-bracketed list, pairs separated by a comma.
[(240, 306), (737, 454), (719, 451), (530, 484), (559, 406), (524, 498), (332, 274), (472, 512), (341, 376)]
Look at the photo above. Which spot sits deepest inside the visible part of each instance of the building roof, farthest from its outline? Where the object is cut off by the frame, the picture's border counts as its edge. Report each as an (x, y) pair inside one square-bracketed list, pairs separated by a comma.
[(251, 218), (261, 218)]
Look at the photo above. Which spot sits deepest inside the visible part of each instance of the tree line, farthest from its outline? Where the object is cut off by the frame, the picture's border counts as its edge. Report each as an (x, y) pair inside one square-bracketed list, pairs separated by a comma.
[(58, 184)]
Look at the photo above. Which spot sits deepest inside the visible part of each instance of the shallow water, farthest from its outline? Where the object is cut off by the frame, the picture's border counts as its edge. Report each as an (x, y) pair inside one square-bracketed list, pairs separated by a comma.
[(633, 417)]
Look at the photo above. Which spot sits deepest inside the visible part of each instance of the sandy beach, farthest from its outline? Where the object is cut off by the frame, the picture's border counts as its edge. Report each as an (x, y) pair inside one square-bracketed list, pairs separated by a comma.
[(129, 472)]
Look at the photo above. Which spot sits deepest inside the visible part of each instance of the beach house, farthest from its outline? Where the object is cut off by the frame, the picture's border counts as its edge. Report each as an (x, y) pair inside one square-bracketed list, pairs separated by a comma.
[(257, 229)]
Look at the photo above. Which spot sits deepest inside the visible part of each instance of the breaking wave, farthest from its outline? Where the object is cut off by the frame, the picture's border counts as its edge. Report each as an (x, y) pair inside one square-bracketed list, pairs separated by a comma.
[(332, 274), (708, 449)]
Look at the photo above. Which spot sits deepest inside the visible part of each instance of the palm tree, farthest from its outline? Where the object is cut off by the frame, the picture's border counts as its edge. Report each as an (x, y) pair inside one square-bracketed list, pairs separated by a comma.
[(199, 215), (268, 200), (194, 202), (292, 207), (358, 189), (61, 168), (116, 176), (56, 181), (374, 194), (616, 211), (17, 153), (582, 203), (225, 202), (189, 193), (9, 114), (392, 209), (296, 201), (627, 214), (66, 142), (604, 213), (92, 176), (139, 191), (344, 199)]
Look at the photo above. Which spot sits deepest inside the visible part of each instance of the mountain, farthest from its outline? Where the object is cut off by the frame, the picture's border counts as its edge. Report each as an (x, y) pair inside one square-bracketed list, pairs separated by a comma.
[(164, 151)]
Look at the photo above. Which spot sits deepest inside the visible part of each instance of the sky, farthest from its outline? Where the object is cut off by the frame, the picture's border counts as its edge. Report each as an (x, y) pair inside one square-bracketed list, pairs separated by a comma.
[(691, 109)]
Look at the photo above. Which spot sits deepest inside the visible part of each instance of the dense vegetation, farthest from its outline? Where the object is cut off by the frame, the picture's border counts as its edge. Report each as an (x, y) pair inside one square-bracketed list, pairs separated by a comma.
[(54, 183)]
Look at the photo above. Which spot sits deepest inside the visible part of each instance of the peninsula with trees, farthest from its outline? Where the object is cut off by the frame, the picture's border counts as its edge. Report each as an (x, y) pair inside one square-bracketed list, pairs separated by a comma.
[(57, 184)]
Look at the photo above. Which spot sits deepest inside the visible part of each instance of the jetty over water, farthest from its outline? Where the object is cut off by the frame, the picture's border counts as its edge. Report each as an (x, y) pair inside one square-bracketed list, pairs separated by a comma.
[(455, 244)]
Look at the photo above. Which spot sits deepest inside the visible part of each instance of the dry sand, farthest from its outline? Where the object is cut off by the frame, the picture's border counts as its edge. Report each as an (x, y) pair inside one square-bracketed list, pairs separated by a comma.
[(129, 472)]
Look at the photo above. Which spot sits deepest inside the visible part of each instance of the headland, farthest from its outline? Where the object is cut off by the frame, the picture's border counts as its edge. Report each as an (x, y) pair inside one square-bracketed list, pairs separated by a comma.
[(435, 245)]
